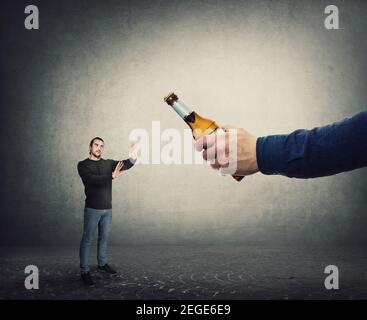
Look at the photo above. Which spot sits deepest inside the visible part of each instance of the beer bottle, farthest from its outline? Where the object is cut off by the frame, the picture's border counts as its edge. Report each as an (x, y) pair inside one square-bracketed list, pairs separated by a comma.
[(199, 125)]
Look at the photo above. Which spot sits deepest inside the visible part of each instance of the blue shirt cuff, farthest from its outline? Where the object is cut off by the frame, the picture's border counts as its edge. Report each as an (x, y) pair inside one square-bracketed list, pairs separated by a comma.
[(270, 154)]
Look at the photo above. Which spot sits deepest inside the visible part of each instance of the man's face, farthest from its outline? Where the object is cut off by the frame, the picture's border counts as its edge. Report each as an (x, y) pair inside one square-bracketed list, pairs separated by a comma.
[(97, 148)]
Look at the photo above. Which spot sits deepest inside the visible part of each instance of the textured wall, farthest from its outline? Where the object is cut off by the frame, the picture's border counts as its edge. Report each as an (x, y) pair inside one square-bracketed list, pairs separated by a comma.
[(103, 67)]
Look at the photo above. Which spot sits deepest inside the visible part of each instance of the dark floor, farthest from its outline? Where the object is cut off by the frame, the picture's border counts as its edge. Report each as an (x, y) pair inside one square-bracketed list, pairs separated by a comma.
[(187, 272)]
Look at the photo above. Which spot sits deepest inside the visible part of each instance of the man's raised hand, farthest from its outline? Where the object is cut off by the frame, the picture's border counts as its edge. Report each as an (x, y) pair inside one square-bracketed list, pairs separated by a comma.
[(133, 152)]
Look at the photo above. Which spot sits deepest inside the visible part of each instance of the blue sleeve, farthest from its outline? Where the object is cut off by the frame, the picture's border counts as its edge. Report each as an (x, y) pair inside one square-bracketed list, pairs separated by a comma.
[(323, 151)]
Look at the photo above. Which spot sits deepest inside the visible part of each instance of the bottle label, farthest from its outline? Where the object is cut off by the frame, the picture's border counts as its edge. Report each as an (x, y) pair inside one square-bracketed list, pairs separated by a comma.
[(191, 117), (182, 110)]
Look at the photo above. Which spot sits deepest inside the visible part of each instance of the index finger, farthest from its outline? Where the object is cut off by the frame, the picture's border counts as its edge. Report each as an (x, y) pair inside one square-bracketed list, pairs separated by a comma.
[(205, 142)]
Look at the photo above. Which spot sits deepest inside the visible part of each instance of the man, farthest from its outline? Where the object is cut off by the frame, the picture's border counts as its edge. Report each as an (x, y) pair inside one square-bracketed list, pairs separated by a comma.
[(97, 175), (323, 151)]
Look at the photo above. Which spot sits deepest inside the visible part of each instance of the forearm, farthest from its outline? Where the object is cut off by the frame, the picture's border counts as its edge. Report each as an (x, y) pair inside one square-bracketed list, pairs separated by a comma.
[(93, 179), (128, 163), (323, 151)]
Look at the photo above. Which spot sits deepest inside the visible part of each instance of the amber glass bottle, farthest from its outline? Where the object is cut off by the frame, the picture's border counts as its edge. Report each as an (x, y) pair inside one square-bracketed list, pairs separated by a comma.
[(199, 125)]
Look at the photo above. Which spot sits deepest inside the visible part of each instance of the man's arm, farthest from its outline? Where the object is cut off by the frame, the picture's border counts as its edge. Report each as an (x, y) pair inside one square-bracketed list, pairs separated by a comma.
[(127, 164), (331, 149), (133, 155), (89, 178)]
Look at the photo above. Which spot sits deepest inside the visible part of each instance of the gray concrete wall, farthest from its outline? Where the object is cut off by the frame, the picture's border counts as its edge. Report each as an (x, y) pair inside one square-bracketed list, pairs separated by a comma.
[(103, 67)]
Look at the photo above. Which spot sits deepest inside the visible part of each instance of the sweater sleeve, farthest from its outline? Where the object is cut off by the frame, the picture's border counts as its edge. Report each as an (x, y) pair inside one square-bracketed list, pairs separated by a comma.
[(89, 178), (128, 163), (322, 151)]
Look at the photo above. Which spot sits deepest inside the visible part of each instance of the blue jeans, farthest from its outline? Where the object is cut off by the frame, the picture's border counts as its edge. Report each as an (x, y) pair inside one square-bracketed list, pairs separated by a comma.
[(93, 218)]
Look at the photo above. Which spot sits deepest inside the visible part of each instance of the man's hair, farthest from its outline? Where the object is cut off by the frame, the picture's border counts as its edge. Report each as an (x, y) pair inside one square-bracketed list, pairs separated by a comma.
[(91, 142)]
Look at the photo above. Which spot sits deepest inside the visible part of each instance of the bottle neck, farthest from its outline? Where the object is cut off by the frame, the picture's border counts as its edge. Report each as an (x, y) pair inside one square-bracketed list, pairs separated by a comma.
[(182, 110)]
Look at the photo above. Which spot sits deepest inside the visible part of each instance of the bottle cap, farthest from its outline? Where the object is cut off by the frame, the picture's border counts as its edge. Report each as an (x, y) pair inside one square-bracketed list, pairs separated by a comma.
[(170, 98)]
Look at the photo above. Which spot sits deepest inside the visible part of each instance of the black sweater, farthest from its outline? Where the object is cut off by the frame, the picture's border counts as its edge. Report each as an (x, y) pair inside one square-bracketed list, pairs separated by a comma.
[(97, 179)]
